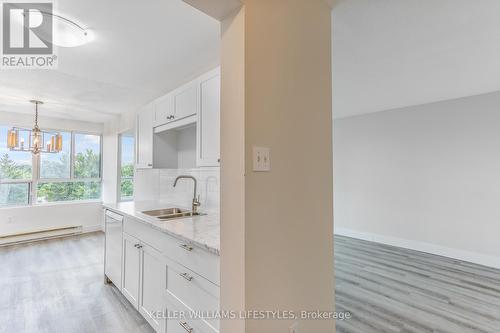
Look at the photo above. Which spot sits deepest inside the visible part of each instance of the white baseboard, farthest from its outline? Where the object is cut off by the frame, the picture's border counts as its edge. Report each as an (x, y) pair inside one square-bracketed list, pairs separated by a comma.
[(473, 257), (92, 228), (50, 233)]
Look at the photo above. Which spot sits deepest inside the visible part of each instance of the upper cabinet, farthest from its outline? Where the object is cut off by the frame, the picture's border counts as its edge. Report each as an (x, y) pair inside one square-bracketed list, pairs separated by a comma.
[(208, 126), (185, 101), (163, 110), (182, 128), (177, 105), (144, 137)]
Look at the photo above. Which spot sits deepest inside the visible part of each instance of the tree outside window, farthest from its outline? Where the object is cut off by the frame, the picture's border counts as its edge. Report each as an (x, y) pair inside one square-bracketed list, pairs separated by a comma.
[(126, 167), (72, 174)]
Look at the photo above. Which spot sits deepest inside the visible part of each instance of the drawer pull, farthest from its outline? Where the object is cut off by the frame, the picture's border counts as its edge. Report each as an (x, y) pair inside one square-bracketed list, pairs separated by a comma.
[(186, 247), (186, 276), (186, 327)]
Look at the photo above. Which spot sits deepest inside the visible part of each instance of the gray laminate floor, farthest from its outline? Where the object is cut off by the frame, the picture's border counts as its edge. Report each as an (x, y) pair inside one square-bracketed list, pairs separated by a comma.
[(56, 286), (390, 289)]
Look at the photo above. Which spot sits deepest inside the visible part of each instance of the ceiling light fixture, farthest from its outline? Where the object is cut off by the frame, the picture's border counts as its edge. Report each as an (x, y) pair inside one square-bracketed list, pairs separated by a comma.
[(65, 33), (36, 138)]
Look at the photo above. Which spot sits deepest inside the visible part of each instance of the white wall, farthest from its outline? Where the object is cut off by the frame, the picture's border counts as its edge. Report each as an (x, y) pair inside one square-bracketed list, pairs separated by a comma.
[(157, 184), (22, 219), (424, 177), (276, 92), (48, 216), (123, 123)]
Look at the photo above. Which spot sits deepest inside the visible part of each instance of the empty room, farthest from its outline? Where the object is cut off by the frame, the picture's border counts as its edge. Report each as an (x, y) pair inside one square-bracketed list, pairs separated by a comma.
[(416, 158)]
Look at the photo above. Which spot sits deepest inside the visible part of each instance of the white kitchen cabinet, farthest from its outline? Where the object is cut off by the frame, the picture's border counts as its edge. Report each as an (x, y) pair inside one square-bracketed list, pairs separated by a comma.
[(130, 269), (144, 274), (161, 272), (193, 292), (153, 272), (176, 106), (144, 138), (208, 124), (163, 110), (194, 105), (185, 101)]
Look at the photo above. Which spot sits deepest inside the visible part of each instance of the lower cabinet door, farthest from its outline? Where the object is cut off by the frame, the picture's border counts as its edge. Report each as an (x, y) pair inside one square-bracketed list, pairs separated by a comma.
[(153, 284), (131, 266)]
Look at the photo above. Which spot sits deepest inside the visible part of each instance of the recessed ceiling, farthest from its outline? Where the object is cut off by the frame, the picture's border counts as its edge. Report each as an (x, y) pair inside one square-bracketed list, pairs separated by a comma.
[(390, 53), (142, 49)]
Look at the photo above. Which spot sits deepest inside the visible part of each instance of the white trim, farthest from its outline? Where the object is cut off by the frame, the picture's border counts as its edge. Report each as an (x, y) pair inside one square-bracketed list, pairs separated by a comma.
[(473, 257), (92, 228), (177, 124), (55, 203)]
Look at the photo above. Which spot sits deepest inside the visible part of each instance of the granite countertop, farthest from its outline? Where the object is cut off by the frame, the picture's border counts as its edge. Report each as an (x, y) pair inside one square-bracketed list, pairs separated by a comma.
[(201, 231)]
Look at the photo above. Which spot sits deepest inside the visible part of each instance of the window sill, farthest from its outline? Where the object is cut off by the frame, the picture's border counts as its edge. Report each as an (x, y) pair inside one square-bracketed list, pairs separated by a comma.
[(60, 203)]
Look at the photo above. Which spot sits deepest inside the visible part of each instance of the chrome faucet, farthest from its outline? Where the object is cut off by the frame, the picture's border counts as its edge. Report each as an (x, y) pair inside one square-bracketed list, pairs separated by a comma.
[(196, 199)]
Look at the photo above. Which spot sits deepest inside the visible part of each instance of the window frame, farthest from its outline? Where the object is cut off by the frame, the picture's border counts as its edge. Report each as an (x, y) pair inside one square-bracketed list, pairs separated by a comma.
[(36, 171), (120, 178)]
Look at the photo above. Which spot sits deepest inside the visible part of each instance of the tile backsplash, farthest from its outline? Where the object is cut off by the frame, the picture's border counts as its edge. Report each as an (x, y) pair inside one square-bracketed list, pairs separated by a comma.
[(157, 184)]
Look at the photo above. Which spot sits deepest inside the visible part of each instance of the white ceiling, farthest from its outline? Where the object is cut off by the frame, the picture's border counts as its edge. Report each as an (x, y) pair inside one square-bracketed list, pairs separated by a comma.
[(392, 53), (386, 54), (142, 50)]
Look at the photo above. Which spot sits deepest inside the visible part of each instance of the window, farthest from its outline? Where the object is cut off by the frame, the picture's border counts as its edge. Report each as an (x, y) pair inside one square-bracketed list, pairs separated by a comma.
[(68, 191), (57, 166), (126, 172), (14, 194), (16, 172), (84, 180), (72, 174), (87, 156)]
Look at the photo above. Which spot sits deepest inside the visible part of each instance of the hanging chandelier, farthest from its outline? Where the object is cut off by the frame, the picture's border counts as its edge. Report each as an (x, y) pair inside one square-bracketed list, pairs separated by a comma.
[(38, 141)]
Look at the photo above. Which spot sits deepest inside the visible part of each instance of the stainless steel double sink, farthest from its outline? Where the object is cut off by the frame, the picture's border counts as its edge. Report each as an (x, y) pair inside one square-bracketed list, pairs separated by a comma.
[(170, 213)]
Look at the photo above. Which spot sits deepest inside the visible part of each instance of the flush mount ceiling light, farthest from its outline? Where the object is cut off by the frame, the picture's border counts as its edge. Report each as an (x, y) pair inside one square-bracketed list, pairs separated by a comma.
[(35, 137), (65, 33)]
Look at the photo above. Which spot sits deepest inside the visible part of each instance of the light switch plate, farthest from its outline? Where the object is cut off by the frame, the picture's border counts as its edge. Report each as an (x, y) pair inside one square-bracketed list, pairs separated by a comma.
[(261, 159)]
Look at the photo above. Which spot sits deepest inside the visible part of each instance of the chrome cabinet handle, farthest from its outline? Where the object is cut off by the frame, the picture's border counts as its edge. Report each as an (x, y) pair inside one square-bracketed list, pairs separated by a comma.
[(186, 276), (136, 246), (186, 327), (186, 247)]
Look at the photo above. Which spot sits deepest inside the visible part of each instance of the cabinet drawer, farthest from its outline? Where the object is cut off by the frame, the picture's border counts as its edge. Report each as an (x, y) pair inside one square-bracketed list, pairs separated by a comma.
[(194, 258), (186, 324), (192, 290)]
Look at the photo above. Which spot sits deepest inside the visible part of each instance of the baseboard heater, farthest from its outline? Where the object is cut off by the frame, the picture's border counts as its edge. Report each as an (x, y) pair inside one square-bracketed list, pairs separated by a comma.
[(30, 236)]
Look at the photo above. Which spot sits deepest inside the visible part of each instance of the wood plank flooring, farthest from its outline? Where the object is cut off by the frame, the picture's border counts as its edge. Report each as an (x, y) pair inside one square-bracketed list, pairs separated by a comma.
[(389, 289), (56, 286)]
